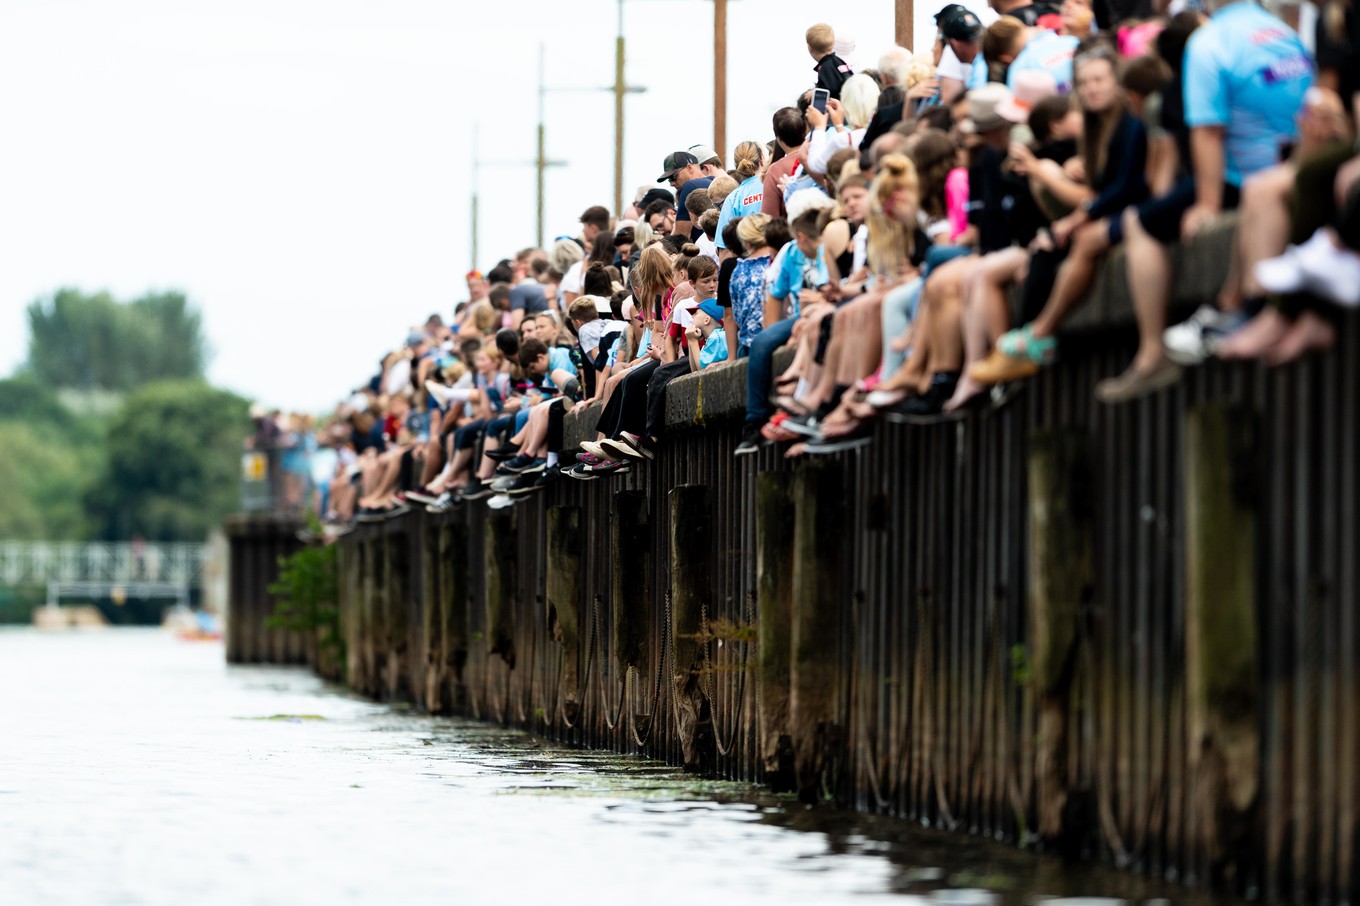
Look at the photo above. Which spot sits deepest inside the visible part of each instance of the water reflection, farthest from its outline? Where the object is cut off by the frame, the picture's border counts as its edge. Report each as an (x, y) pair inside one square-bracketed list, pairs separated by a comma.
[(137, 769)]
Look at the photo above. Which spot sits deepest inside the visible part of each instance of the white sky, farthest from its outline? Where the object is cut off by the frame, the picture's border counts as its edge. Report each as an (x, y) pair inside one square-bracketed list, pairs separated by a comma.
[(301, 168)]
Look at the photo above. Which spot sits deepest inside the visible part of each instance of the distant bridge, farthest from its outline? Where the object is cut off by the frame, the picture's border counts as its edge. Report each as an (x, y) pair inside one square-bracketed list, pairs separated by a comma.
[(129, 568)]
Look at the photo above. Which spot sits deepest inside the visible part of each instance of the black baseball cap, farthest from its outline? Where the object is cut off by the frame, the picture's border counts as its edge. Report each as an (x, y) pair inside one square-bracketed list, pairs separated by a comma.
[(657, 194), (677, 161), (959, 23)]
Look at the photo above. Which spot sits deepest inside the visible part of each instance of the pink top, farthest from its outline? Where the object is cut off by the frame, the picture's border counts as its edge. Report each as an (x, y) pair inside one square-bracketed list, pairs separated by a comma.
[(956, 201)]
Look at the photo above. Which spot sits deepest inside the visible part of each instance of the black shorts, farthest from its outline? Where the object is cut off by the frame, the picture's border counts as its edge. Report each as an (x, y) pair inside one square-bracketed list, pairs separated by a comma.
[(1161, 217)]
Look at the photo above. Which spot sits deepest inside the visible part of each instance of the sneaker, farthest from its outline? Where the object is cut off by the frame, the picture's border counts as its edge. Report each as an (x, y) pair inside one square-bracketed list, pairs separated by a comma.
[(503, 452), (610, 468), (478, 490), (422, 496), (999, 368), (618, 448), (582, 472), (1193, 340), (927, 405), (502, 483), (1134, 383), (548, 477), (500, 501), (524, 484), (594, 448), (803, 425), (400, 509), (521, 464), (643, 447), (751, 441), (446, 502), (589, 459), (823, 446)]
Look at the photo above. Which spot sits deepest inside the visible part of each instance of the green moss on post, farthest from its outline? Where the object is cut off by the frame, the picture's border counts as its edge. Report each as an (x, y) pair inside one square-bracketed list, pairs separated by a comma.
[(691, 592), (502, 549), (817, 605), (1061, 569), (566, 591), (775, 517), (630, 579), (1222, 676)]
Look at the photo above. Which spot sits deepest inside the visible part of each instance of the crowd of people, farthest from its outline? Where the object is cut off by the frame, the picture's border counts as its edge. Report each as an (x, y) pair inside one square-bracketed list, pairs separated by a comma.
[(916, 232)]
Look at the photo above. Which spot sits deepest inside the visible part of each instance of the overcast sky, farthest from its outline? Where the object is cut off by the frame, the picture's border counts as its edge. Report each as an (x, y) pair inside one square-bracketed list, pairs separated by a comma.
[(302, 168)]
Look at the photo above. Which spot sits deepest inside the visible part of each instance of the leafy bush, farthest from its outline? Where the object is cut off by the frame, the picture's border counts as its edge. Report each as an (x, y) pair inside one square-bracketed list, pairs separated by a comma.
[(307, 601)]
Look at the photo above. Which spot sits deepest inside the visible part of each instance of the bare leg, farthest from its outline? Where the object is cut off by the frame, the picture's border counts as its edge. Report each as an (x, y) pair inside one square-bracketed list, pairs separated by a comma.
[(1075, 277), (986, 313), (1149, 271), (1262, 228)]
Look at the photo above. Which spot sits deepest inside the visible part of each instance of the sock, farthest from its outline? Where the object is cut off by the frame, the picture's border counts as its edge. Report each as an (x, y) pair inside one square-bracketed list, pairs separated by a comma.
[(552, 459)]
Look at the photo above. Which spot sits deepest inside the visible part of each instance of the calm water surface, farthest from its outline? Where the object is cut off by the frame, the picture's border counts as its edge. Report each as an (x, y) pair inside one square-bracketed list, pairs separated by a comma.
[(138, 769)]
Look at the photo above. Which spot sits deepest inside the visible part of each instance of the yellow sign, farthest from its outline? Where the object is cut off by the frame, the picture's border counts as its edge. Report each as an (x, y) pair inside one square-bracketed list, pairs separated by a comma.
[(254, 466)]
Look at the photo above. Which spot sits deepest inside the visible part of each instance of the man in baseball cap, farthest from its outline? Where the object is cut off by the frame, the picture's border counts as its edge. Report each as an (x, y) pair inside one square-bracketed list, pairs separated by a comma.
[(681, 169), (675, 169), (709, 161), (961, 64)]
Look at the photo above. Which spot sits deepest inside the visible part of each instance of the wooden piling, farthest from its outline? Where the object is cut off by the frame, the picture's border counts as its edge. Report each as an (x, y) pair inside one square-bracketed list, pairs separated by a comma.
[(630, 579), (502, 582), (430, 658), (1062, 561), (396, 679), (692, 605), (1222, 676), (566, 594), (775, 519), (455, 619), (816, 618)]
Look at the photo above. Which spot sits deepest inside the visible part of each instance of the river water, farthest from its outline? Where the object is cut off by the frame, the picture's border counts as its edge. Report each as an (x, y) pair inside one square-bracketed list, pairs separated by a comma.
[(138, 769)]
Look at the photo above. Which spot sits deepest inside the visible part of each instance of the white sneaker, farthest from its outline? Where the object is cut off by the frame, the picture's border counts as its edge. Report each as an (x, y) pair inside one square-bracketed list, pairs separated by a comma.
[(501, 501), (1331, 271), (1193, 340), (1280, 275)]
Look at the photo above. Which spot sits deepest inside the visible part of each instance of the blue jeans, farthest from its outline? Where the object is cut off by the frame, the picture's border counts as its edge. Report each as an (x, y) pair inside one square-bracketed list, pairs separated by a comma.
[(937, 255), (759, 365), (899, 310)]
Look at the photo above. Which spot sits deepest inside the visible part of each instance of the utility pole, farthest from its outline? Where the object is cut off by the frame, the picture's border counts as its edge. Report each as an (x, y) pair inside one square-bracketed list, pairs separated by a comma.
[(906, 13), (620, 88), (476, 159), (541, 162), (720, 77)]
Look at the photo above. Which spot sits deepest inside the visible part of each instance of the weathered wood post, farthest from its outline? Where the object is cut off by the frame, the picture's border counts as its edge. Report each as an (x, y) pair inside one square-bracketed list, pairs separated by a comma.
[(374, 612), (1222, 678), (398, 615), (429, 662), (502, 581), (691, 593), (455, 630), (566, 591), (817, 606), (1061, 571), (775, 520), (630, 579)]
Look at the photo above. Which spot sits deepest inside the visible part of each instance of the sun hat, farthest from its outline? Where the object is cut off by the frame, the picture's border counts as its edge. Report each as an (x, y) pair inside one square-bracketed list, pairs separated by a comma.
[(1031, 87), (982, 108)]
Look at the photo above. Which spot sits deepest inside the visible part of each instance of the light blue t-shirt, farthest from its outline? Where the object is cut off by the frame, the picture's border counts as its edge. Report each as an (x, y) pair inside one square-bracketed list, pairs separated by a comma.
[(1047, 52), (797, 271), (977, 73), (714, 350), (744, 199), (1247, 71), (559, 359)]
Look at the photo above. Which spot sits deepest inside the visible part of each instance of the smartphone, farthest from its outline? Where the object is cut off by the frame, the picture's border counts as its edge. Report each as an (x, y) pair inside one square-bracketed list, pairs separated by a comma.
[(819, 98)]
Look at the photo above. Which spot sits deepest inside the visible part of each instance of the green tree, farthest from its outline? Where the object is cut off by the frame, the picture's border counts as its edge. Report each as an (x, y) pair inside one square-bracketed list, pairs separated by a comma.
[(173, 463), (44, 475), (95, 342)]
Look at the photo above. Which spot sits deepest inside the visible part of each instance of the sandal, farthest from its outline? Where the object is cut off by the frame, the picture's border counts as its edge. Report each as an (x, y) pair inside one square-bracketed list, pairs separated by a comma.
[(1023, 344)]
